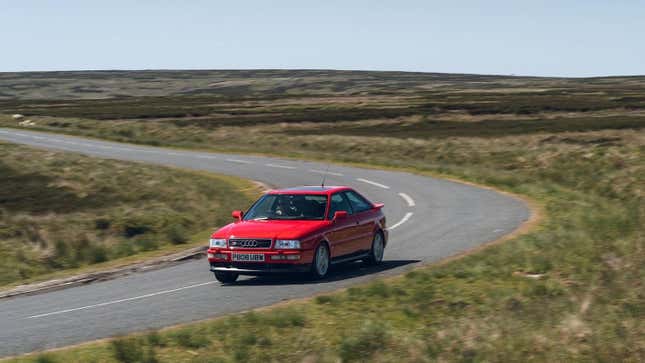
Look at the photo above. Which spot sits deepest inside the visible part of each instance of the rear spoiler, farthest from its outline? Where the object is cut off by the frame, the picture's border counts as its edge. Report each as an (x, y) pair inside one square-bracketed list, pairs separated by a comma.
[(378, 205)]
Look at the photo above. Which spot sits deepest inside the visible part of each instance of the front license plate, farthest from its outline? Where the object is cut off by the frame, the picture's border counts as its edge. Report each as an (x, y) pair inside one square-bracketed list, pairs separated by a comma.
[(248, 257)]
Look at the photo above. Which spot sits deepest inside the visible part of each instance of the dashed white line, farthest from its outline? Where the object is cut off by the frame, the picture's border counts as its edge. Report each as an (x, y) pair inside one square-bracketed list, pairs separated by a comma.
[(173, 154), (239, 161), (407, 199), (206, 156), (405, 219), (119, 301), (280, 166), (373, 183), (325, 172)]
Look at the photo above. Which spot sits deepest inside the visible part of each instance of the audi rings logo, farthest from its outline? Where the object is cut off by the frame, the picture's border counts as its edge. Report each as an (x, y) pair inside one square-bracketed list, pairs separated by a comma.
[(248, 243)]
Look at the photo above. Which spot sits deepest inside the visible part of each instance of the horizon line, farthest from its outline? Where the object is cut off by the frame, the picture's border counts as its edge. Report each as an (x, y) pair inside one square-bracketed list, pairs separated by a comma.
[(314, 69)]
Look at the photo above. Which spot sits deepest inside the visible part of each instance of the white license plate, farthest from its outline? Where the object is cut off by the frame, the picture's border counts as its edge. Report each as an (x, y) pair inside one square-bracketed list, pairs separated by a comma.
[(248, 257)]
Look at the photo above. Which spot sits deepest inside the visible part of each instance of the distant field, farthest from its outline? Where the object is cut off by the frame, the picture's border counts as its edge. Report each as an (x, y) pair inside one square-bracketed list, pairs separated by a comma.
[(60, 211), (571, 290), (208, 109)]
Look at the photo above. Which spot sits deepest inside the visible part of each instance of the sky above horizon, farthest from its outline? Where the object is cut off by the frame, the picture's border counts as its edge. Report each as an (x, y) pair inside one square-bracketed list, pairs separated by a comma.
[(542, 38)]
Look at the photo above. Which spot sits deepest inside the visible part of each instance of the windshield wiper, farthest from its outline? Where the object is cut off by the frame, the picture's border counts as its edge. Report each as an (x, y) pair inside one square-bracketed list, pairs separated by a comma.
[(260, 219)]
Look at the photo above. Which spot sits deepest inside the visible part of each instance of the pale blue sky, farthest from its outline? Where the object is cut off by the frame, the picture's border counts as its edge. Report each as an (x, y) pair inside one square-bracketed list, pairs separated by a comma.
[(523, 37)]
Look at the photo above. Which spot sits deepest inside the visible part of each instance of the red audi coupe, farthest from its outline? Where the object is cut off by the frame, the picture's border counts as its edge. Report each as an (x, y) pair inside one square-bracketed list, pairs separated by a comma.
[(303, 229)]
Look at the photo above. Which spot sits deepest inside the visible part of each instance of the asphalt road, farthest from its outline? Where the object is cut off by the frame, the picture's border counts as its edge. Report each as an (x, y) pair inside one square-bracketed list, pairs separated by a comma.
[(429, 219)]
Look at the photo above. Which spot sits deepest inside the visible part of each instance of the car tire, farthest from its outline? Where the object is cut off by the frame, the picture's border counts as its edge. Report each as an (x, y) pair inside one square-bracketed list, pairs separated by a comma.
[(377, 250), (321, 263), (225, 277)]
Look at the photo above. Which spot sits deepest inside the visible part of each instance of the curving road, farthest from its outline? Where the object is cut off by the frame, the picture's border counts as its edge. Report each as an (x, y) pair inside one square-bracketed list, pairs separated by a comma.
[(429, 219)]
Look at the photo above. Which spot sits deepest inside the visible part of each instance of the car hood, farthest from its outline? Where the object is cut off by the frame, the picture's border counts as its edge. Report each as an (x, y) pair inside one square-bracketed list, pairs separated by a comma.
[(270, 229)]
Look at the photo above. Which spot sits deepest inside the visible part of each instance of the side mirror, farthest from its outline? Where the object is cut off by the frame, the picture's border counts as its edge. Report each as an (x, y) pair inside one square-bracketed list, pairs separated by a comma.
[(341, 214), (238, 214)]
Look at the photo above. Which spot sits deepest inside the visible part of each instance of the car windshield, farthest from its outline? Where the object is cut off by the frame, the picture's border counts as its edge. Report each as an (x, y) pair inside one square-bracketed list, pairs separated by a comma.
[(288, 207)]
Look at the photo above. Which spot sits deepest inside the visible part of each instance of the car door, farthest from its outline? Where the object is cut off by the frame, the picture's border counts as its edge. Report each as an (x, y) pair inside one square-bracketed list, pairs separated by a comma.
[(343, 231), (364, 220)]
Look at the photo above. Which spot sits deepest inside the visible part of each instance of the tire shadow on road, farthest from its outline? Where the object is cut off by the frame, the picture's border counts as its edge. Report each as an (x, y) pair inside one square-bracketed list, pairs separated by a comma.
[(343, 271)]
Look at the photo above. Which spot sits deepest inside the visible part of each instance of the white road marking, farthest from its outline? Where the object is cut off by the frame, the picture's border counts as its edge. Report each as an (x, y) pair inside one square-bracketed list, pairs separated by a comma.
[(407, 199), (325, 172), (119, 301), (206, 156), (280, 166), (373, 183), (405, 219), (239, 161), (173, 154), (498, 230)]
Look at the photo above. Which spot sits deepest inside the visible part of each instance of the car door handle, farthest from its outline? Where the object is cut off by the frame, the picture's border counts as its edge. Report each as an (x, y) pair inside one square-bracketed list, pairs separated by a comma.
[(357, 222)]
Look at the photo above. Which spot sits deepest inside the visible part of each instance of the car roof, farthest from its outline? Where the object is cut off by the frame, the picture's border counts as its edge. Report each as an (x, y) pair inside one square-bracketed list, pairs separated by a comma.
[(310, 190)]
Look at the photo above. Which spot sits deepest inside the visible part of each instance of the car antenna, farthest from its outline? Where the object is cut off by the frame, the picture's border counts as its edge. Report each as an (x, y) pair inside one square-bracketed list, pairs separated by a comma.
[(322, 184)]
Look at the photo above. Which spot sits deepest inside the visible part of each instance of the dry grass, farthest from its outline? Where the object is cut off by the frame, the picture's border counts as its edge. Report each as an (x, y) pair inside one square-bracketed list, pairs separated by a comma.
[(61, 211)]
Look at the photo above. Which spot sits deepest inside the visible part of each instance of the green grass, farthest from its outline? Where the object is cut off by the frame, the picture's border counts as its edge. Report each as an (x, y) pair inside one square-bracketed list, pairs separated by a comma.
[(61, 212), (569, 290)]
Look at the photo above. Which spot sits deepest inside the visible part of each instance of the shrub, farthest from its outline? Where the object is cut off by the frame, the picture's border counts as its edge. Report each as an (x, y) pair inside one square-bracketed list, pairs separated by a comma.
[(360, 347), (44, 358), (97, 254), (102, 223), (286, 317), (133, 350), (177, 234), (154, 339), (187, 339), (325, 299), (127, 350)]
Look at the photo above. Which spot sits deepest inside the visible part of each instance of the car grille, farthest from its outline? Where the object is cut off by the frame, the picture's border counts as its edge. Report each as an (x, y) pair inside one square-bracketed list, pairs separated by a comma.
[(249, 243)]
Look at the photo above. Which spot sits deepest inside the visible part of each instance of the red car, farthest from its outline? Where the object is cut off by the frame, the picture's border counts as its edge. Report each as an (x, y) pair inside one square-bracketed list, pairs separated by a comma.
[(303, 229)]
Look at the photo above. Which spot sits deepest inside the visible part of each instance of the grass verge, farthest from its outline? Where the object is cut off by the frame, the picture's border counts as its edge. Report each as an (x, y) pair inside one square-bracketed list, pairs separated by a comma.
[(64, 214)]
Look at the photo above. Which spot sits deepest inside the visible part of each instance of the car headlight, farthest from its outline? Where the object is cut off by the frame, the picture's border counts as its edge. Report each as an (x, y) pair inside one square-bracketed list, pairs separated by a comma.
[(218, 242), (287, 244)]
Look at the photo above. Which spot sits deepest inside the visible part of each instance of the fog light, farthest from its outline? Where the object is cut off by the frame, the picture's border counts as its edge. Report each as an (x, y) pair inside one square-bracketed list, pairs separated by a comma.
[(277, 257), (221, 256), (210, 255), (293, 257)]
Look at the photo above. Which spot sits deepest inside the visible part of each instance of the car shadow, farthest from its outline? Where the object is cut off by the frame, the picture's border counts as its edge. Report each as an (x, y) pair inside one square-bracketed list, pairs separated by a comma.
[(338, 272)]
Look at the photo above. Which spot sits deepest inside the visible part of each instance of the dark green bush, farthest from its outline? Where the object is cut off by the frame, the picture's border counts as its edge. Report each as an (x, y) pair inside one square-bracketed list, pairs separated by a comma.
[(177, 234), (361, 346)]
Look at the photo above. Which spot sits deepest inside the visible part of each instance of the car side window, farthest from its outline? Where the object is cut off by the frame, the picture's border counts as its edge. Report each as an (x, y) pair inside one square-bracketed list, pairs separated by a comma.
[(338, 203), (358, 203)]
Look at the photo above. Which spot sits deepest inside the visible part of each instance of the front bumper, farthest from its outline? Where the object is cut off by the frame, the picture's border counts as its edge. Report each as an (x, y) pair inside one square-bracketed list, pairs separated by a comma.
[(244, 268)]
